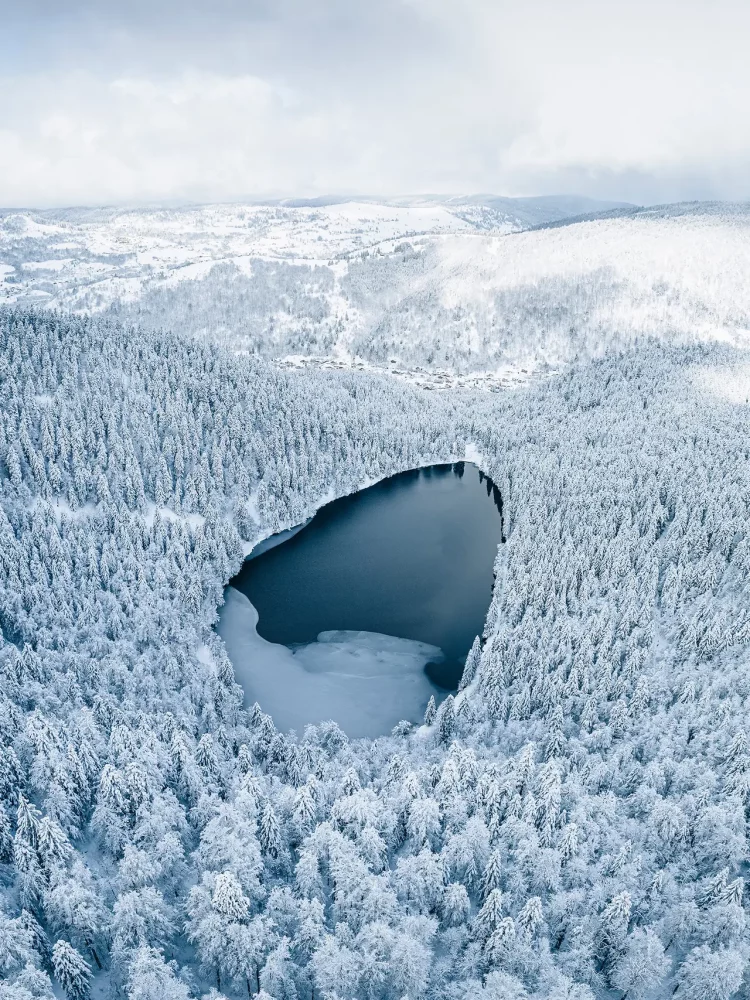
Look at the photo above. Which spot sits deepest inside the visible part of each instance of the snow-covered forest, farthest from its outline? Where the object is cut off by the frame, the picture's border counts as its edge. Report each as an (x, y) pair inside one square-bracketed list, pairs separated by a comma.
[(571, 824)]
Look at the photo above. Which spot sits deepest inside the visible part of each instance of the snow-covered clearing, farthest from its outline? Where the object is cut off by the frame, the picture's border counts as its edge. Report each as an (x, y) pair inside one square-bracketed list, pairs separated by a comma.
[(728, 382)]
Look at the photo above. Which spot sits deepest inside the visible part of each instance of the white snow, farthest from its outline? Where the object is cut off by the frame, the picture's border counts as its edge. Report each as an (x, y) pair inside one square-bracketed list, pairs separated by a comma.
[(473, 454), (183, 244), (730, 382), (253, 550), (364, 681), (194, 519), (58, 264)]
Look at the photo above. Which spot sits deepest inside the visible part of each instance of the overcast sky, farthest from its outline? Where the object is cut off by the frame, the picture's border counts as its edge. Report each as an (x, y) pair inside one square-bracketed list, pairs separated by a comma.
[(156, 100)]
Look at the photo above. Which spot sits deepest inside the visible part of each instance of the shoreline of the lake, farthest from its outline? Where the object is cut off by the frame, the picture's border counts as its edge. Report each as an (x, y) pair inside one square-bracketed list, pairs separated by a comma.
[(409, 558)]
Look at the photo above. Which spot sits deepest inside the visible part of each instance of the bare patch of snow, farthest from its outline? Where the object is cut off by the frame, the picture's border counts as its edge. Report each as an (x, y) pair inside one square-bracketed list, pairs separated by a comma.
[(167, 514)]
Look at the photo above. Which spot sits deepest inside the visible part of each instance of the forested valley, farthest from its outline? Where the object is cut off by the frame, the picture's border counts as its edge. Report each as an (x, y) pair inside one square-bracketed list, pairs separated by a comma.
[(571, 824)]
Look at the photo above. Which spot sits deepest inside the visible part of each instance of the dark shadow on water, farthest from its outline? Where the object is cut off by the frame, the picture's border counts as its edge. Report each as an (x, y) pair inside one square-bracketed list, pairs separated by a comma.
[(411, 556)]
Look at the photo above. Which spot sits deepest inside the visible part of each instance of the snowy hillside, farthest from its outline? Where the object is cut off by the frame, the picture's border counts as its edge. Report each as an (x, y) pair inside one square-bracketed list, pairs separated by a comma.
[(90, 257), (417, 285), (477, 302), (447, 285), (554, 293), (275, 279)]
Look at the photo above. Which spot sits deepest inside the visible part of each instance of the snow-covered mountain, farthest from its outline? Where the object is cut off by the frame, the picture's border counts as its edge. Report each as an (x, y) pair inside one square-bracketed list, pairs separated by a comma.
[(469, 301), (97, 259), (548, 295), (60, 255), (93, 256), (472, 285), (572, 823)]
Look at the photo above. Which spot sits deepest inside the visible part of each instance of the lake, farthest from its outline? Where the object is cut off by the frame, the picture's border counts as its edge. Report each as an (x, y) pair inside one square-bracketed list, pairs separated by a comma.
[(398, 578)]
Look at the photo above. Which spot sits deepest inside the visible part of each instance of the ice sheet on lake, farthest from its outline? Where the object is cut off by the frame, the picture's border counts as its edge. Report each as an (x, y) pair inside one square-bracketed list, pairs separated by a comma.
[(364, 681)]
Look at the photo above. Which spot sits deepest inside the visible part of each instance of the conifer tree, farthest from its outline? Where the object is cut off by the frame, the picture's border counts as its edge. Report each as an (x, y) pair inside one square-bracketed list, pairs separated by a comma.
[(430, 711), (446, 720), (71, 970), (269, 834), (471, 665)]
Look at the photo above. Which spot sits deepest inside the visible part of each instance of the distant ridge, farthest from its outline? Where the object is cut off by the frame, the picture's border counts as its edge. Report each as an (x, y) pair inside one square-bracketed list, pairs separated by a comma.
[(481, 211), (668, 210), (533, 210)]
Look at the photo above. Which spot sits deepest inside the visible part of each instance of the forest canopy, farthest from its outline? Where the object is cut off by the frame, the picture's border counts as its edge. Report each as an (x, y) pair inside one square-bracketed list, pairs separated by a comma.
[(571, 824)]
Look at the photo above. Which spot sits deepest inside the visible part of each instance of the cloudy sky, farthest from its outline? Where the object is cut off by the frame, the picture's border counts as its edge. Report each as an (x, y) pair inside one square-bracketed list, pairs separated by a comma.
[(172, 100)]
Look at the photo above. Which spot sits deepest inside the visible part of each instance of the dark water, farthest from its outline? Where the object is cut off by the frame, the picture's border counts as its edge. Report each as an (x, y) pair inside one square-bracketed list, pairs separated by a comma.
[(411, 557)]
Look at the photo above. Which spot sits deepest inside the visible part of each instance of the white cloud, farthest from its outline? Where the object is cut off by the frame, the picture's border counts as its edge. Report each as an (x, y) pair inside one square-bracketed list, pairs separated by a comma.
[(195, 135), (646, 101)]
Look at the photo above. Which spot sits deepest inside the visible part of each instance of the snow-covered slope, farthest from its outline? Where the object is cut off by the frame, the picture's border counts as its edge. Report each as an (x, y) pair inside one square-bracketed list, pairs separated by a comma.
[(73, 255), (454, 285), (87, 258), (553, 293), (572, 825), (469, 301)]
